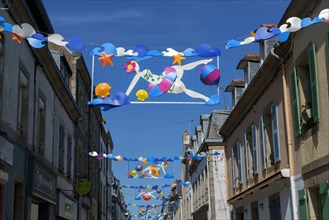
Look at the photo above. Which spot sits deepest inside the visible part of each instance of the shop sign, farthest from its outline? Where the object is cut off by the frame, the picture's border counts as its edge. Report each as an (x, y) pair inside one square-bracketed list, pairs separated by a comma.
[(68, 208), (44, 184), (6, 151)]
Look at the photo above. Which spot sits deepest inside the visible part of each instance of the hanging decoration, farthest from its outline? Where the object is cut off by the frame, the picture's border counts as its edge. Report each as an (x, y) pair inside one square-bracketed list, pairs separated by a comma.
[(148, 195), (170, 81), (209, 75), (152, 171), (156, 206), (149, 187), (103, 90), (142, 95), (153, 159), (292, 24), (141, 52), (106, 59), (151, 217)]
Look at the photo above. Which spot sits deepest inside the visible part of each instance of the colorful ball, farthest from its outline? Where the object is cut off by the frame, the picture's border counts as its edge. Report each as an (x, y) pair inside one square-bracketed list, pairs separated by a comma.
[(210, 75), (134, 172), (139, 167)]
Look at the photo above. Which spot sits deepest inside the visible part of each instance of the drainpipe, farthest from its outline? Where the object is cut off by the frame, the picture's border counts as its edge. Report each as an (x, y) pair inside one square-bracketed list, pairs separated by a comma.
[(291, 157)]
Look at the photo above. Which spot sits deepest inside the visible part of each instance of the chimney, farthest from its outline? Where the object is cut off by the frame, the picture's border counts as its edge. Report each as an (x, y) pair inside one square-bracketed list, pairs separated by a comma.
[(265, 46), (236, 87), (204, 121), (250, 64)]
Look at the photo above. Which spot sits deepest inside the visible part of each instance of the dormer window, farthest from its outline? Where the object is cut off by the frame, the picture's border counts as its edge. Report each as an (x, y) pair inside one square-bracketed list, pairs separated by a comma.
[(63, 66)]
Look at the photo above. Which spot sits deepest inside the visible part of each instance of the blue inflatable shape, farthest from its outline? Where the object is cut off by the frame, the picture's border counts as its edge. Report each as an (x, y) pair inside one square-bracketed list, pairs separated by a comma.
[(39, 36), (233, 44), (213, 100), (154, 53), (308, 22), (168, 176), (75, 44), (142, 50), (189, 52), (138, 59), (5, 26), (283, 37), (109, 48), (35, 43), (204, 50), (97, 51), (108, 103), (264, 33)]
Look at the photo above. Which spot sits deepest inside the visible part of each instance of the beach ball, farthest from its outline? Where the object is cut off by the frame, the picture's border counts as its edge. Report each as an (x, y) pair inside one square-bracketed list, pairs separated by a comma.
[(139, 167), (209, 75)]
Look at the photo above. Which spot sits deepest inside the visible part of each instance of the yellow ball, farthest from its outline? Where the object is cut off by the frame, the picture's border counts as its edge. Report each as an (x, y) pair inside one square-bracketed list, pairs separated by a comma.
[(134, 172)]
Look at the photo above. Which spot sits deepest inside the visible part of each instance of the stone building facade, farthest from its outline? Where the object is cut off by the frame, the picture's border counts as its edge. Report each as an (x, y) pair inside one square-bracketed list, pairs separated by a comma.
[(276, 135), (47, 128)]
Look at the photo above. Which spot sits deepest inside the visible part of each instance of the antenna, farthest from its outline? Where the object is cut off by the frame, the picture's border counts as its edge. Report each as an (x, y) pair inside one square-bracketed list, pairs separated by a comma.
[(189, 124)]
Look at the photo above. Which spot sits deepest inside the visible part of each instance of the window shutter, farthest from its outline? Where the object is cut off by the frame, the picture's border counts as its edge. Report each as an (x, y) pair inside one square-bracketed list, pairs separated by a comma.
[(314, 83), (275, 133), (303, 209), (61, 148), (239, 162), (254, 149), (324, 200), (295, 102), (262, 142), (233, 174), (246, 159), (69, 155)]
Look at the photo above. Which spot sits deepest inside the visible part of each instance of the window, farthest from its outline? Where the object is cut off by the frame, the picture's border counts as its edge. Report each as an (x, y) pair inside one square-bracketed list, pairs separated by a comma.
[(65, 70), (62, 65), (246, 157), (303, 207), (262, 142), (318, 202), (324, 199), (304, 92), (275, 209), (275, 133), (239, 162), (23, 105), (249, 158), (271, 134), (254, 149), (69, 156), (233, 167), (61, 149), (41, 127)]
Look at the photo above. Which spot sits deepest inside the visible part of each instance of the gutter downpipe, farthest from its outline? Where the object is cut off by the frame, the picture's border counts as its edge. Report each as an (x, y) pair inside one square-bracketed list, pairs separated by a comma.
[(290, 147)]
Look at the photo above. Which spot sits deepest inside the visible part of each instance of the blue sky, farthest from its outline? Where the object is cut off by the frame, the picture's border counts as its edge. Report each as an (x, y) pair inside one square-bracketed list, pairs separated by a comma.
[(155, 130)]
